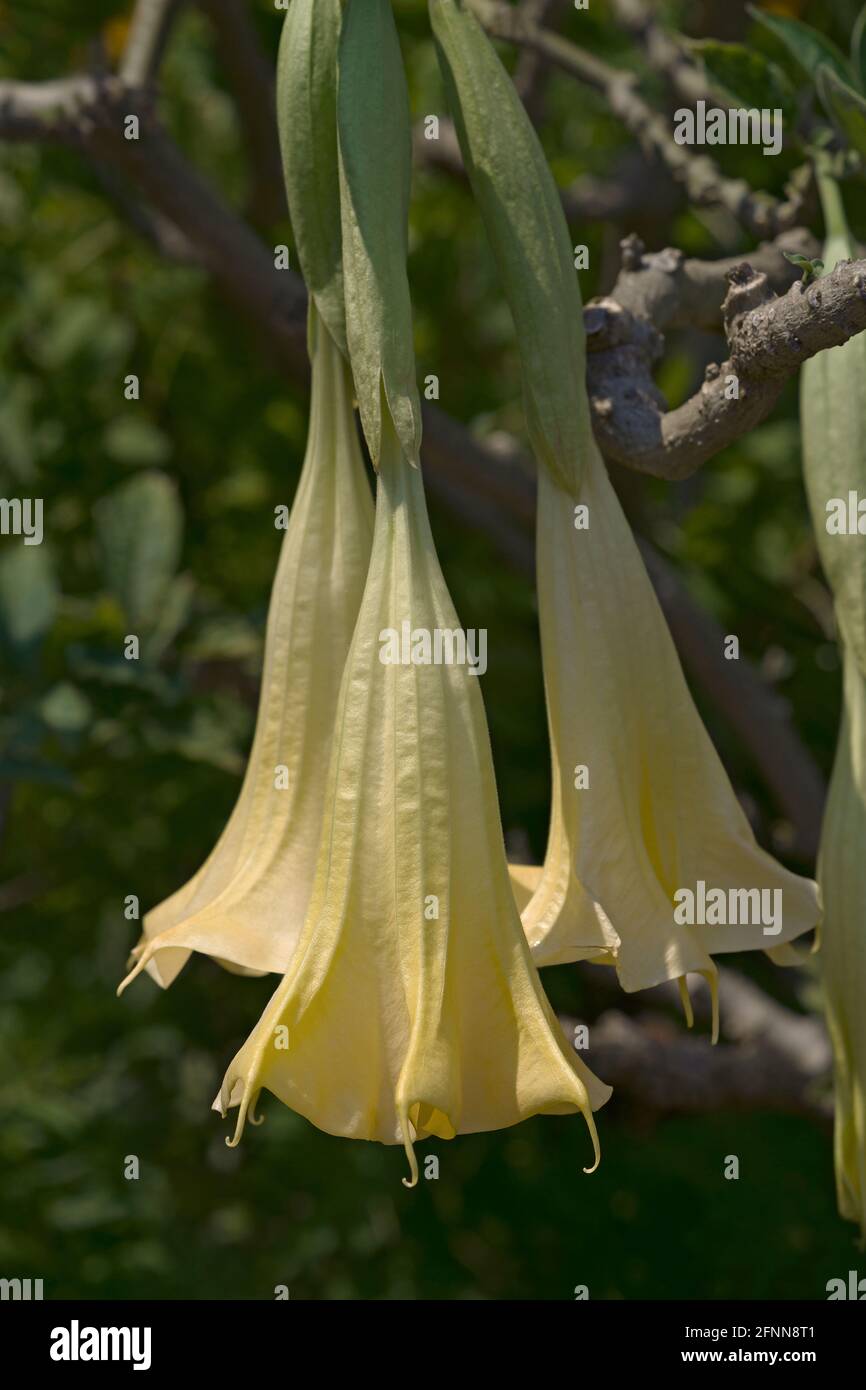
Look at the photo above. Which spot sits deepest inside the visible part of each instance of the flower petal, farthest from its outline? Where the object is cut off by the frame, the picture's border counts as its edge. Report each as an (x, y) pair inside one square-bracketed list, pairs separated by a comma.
[(246, 904), (659, 814), (412, 1007)]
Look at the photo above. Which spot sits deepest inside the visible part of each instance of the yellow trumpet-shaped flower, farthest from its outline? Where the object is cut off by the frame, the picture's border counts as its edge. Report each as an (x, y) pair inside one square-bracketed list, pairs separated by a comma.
[(246, 905), (651, 864), (842, 874), (411, 1007)]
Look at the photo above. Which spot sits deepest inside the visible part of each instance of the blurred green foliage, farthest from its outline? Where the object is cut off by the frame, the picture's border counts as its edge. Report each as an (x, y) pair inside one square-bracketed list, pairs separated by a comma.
[(116, 776)]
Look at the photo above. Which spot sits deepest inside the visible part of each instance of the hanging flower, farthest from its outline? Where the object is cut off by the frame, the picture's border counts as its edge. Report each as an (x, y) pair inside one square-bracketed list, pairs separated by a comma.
[(651, 861), (412, 1006), (246, 905), (651, 864)]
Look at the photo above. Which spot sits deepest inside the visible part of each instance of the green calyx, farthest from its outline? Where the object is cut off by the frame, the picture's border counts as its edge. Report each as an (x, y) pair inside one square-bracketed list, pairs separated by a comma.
[(523, 215), (375, 168), (307, 124)]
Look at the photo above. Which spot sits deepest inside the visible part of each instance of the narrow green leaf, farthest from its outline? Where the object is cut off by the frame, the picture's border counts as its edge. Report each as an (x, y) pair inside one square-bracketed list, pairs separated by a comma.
[(806, 45), (523, 215), (845, 107), (307, 124), (139, 528), (375, 166)]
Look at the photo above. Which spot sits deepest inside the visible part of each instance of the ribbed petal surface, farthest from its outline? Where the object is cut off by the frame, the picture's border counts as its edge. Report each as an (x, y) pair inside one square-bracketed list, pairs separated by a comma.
[(399, 1024), (659, 813), (246, 905)]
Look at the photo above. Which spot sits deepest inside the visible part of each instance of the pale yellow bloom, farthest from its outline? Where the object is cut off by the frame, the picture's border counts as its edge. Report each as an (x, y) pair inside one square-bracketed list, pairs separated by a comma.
[(412, 1007), (657, 813), (247, 903), (642, 810)]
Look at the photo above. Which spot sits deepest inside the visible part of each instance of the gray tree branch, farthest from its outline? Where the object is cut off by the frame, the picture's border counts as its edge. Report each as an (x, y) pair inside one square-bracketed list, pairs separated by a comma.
[(148, 34), (664, 53), (701, 178), (769, 336), (769, 1057)]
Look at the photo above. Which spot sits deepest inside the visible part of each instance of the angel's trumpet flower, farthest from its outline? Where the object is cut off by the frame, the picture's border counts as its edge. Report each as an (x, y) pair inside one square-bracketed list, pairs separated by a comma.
[(833, 415), (650, 864), (412, 1006), (246, 905)]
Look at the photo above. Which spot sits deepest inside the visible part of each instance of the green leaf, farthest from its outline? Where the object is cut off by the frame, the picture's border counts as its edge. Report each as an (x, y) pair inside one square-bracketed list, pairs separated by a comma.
[(174, 612), (307, 124), (806, 45), (139, 528), (136, 442), (809, 268), (210, 736), (28, 594), (224, 638), (858, 50), (72, 329), (375, 161), (65, 709), (745, 76), (845, 107)]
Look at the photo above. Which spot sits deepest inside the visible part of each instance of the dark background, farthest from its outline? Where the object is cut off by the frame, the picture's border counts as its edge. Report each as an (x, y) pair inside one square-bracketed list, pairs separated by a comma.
[(116, 777)]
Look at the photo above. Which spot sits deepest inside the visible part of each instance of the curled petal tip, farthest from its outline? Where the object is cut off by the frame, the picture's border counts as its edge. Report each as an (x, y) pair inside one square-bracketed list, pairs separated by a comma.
[(596, 1147), (406, 1131), (232, 1143), (686, 1001), (712, 980), (143, 958), (246, 1110)]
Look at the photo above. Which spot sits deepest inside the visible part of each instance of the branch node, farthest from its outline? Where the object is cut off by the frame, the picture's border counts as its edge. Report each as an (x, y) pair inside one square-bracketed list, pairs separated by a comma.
[(748, 290), (632, 249)]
